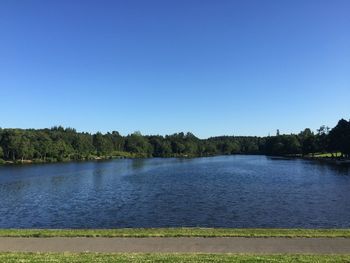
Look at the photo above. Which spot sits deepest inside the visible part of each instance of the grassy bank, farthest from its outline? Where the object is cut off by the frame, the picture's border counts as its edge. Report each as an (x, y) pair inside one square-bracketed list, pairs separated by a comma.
[(175, 232), (114, 155), (76, 158), (96, 257)]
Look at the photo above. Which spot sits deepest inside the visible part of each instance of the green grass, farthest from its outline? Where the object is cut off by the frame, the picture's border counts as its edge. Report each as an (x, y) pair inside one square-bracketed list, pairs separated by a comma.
[(98, 257), (321, 155), (175, 232)]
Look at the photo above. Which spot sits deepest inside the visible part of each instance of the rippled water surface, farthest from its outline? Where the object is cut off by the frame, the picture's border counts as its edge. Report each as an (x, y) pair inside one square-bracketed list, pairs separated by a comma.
[(225, 191)]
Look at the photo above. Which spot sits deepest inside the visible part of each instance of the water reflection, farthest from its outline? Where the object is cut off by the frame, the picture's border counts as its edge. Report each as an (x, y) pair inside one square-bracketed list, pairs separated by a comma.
[(138, 164)]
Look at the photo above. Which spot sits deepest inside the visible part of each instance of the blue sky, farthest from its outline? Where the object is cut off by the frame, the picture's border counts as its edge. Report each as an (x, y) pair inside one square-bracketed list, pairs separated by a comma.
[(209, 67)]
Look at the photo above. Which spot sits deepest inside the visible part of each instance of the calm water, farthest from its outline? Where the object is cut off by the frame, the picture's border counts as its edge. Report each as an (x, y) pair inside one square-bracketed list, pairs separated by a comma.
[(229, 191)]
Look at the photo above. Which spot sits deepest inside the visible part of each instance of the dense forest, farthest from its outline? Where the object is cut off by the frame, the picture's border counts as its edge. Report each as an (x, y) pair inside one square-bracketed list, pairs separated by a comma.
[(63, 144)]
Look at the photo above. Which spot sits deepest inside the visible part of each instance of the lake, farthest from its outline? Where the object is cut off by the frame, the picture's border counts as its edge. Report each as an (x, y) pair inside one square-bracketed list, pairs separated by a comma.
[(224, 191)]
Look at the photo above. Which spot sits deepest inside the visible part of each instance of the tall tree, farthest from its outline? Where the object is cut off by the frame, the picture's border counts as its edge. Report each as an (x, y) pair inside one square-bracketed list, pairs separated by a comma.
[(308, 141), (339, 137)]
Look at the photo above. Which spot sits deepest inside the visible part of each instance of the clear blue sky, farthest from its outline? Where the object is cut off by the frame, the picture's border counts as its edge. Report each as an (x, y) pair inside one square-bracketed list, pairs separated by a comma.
[(210, 67)]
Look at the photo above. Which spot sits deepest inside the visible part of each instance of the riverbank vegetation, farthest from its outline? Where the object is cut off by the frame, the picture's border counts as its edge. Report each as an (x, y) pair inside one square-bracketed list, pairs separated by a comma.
[(176, 232), (64, 144), (164, 257)]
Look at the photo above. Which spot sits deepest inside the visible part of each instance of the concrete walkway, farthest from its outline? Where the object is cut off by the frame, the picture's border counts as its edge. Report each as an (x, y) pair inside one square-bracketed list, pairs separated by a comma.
[(181, 244)]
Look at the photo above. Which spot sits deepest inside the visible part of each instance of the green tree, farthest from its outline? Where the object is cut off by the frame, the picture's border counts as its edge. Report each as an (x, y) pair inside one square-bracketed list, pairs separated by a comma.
[(136, 143), (322, 139), (42, 145), (102, 144), (339, 137), (25, 149), (118, 141), (82, 145), (161, 147), (292, 144), (61, 150)]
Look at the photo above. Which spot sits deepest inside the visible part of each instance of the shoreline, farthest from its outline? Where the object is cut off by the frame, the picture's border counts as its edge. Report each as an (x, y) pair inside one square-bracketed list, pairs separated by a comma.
[(328, 160), (179, 232)]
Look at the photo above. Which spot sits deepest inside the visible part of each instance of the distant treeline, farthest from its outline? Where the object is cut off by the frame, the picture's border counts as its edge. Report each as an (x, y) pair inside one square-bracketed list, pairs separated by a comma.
[(60, 144)]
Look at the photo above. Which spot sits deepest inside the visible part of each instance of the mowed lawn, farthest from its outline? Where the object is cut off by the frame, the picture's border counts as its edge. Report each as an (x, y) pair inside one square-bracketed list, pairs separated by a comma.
[(173, 257), (98, 257)]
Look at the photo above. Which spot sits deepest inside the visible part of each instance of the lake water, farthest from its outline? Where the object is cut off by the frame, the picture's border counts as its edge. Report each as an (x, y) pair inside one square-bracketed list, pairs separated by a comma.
[(225, 191)]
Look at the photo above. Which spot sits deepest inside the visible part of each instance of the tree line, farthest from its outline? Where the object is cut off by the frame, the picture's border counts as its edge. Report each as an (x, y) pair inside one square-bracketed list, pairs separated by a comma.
[(61, 144)]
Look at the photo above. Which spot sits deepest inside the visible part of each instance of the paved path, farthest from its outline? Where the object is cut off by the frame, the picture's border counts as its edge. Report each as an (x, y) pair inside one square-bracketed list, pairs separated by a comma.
[(180, 244)]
